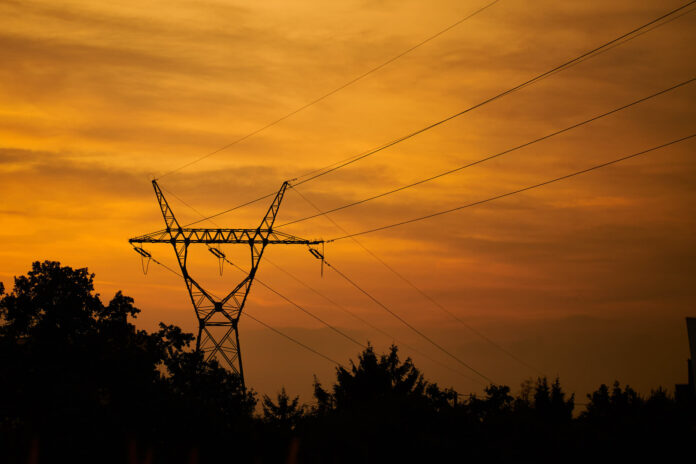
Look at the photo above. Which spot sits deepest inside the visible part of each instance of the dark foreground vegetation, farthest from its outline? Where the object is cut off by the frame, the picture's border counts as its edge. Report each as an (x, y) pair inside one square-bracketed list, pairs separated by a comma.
[(79, 383)]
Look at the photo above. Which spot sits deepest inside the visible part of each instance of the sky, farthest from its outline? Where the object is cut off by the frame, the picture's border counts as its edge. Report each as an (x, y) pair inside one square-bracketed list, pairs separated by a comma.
[(588, 279)]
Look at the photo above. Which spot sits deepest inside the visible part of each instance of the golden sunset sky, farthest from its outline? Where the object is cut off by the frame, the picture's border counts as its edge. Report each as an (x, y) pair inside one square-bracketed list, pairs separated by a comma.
[(589, 279)]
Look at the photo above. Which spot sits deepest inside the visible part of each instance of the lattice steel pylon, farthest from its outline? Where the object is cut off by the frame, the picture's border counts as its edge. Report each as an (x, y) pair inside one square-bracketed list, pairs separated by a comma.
[(218, 318)]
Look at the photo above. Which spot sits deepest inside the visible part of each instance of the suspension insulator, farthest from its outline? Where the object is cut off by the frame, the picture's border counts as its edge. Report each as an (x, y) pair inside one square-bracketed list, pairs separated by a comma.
[(142, 252), (217, 253), (316, 253)]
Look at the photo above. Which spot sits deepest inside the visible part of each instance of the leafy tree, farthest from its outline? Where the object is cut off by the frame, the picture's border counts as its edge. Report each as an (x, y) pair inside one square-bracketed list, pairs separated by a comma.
[(82, 381), (550, 402), (606, 405), (496, 404), (374, 380), (79, 383), (286, 414), (374, 404)]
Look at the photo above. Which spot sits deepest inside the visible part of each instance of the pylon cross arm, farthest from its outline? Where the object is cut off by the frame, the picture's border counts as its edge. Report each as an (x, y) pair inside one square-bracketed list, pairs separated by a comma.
[(201, 235)]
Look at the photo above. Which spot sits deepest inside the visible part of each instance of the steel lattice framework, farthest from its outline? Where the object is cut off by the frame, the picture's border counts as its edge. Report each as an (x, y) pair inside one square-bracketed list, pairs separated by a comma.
[(218, 318)]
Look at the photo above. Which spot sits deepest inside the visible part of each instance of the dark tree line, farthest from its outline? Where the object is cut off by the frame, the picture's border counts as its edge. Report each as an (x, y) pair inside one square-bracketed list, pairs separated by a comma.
[(79, 383)]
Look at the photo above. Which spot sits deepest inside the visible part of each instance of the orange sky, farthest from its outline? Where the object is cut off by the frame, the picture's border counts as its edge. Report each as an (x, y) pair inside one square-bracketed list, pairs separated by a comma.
[(589, 279)]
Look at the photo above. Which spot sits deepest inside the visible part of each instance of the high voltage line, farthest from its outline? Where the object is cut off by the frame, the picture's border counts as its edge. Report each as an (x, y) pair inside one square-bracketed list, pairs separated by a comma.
[(514, 192), (246, 314), (423, 293), (306, 311), (584, 56), (335, 166), (336, 330), (487, 158), (282, 334), (337, 89), (496, 97), (309, 313), (367, 323), (401, 319), (604, 49), (406, 323)]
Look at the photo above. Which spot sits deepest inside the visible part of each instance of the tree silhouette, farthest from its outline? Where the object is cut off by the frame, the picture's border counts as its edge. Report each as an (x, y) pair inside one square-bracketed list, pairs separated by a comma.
[(374, 404), (285, 414), (550, 402), (82, 381), (79, 383)]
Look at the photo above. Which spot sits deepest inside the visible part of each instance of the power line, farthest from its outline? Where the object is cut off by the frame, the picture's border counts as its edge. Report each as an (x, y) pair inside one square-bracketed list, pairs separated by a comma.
[(487, 158), (655, 26), (246, 313), (311, 314), (423, 293), (450, 313), (165, 266), (338, 331), (367, 323), (406, 323), (599, 52), (306, 311), (496, 97), (337, 89), (328, 299), (514, 192), (647, 27)]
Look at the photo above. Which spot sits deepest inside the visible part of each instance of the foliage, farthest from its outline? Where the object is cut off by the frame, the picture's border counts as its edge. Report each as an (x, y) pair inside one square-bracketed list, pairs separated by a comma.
[(79, 377), (286, 414), (81, 384)]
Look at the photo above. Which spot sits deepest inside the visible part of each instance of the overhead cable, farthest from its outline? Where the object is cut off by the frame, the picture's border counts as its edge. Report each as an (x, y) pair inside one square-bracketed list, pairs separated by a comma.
[(598, 50), (412, 348), (337, 89), (423, 293), (490, 157), (306, 311), (369, 324), (496, 97), (514, 192), (246, 314), (336, 330), (406, 323)]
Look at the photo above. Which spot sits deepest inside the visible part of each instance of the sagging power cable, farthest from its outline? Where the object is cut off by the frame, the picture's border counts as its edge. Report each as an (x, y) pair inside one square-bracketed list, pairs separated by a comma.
[(332, 92), (490, 157), (246, 314), (406, 323), (222, 256), (304, 310), (514, 192), (423, 293), (526, 83), (369, 324), (651, 25)]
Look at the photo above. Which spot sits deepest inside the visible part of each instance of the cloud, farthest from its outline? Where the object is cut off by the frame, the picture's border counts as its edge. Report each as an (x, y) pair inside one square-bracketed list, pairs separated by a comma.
[(99, 98)]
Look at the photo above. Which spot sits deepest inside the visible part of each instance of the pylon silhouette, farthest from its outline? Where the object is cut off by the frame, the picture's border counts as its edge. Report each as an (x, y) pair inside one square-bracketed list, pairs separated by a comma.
[(218, 318)]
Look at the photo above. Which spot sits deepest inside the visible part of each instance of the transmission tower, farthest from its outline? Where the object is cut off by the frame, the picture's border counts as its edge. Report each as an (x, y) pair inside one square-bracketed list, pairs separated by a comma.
[(218, 318)]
